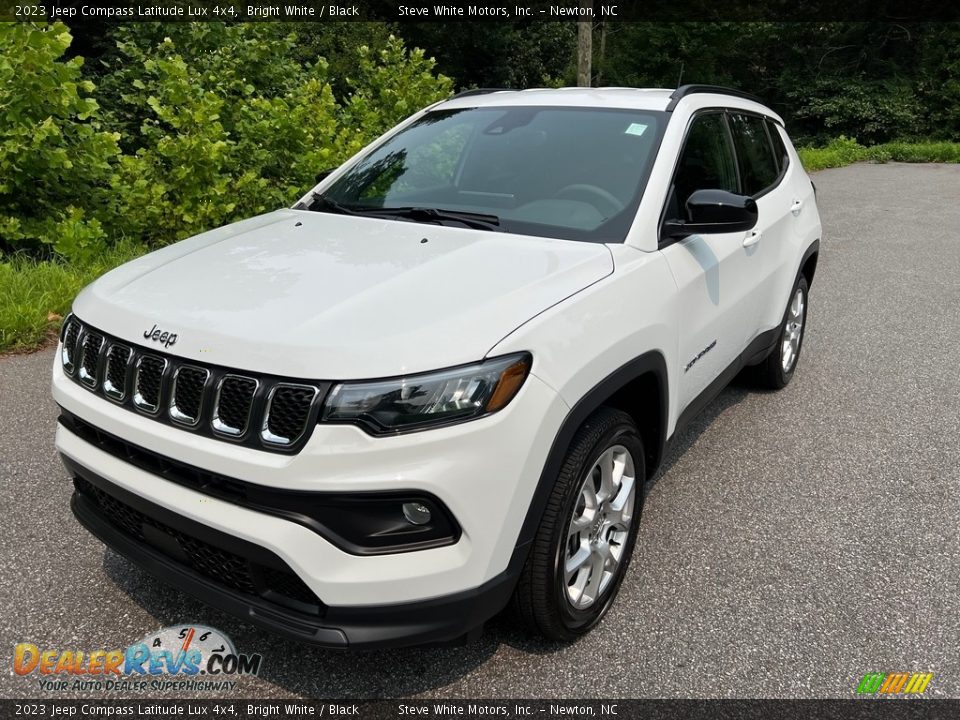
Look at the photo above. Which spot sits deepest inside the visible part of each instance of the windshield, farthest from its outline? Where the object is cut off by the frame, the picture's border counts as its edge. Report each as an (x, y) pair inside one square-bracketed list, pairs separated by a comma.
[(572, 173)]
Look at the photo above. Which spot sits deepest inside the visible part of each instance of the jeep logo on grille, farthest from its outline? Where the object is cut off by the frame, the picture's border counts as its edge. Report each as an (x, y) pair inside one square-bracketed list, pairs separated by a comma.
[(161, 336)]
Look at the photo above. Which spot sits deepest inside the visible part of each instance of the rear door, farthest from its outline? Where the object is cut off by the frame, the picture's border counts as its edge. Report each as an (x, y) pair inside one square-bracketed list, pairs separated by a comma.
[(763, 167)]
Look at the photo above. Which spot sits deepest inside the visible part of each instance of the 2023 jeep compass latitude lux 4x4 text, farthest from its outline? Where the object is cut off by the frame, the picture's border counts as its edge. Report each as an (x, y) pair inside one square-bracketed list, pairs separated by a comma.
[(436, 385)]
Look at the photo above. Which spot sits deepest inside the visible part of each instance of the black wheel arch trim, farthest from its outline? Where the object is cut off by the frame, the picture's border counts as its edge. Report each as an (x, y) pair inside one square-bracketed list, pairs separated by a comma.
[(651, 362), (812, 249)]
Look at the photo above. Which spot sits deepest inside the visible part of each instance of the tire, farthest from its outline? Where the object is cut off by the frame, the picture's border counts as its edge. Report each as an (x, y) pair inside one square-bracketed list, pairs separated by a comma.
[(546, 597), (776, 371)]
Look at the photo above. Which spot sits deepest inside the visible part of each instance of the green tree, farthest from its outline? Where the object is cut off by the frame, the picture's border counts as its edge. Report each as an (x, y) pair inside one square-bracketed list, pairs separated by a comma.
[(57, 166), (211, 137)]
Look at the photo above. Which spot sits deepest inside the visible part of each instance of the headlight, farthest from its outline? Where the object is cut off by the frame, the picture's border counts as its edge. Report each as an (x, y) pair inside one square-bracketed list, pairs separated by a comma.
[(429, 399)]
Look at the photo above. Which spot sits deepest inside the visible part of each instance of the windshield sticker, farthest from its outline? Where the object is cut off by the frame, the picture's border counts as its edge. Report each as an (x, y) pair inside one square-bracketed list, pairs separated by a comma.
[(635, 129)]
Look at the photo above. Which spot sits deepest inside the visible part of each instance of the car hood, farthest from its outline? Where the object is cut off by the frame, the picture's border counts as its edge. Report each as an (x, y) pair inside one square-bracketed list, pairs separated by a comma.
[(314, 295)]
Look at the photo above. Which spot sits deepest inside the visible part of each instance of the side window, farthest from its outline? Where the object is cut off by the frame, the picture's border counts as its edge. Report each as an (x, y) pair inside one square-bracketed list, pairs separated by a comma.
[(758, 166), (706, 163), (779, 149)]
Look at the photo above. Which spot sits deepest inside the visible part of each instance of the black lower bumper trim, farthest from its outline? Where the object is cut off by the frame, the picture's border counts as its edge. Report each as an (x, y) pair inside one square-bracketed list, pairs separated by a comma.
[(438, 621)]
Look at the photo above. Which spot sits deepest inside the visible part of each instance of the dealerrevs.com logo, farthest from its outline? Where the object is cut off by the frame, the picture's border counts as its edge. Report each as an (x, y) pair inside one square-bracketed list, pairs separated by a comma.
[(176, 658)]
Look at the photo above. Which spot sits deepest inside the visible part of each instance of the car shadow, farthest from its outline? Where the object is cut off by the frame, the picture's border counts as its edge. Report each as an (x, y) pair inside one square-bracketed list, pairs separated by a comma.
[(300, 669), (314, 672)]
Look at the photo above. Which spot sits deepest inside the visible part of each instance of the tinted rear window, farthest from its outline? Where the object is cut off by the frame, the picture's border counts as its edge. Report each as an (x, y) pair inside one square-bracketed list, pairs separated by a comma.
[(758, 167), (779, 149)]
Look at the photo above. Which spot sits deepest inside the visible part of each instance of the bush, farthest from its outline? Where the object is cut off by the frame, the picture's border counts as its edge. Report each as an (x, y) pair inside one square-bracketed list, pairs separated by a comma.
[(844, 151), (219, 122), (57, 166), (213, 146), (939, 152)]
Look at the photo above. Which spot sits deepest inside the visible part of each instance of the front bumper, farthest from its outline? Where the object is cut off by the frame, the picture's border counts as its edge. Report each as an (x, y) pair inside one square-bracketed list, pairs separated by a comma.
[(441, 620), (485, 472)]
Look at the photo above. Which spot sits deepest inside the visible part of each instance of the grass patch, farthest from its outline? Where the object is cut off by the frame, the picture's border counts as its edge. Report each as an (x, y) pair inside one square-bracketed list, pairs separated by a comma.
[(34, 295), (845, 151)]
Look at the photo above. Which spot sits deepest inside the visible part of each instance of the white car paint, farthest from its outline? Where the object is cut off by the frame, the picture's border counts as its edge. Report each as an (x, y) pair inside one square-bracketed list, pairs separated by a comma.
[(312, 295), (325, 296)]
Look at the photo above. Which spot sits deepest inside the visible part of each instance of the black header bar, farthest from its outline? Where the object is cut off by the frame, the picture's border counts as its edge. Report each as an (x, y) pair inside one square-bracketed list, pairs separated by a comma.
[(482, 11)]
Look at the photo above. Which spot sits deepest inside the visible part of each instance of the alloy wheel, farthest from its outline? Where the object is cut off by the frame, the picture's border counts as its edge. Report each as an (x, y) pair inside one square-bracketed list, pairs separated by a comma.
[(792, 331), (599, 527)]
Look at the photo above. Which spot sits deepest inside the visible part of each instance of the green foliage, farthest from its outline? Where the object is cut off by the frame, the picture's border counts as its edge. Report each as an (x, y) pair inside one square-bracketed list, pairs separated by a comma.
[(845, 151), (504, 55), (389, 85), (878, 81), (220, 139), (215, 121), (924, 152), (877, 110), (840, 152), (56, 164), (35, 295)]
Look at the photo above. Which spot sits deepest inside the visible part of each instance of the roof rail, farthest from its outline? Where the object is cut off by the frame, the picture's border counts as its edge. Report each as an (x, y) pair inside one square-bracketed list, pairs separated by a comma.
[(684, 90), (477, 91)]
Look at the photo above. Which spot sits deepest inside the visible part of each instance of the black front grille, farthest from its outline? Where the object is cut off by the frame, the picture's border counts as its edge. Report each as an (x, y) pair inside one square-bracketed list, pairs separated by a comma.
[(115, 374), (258, 411), (234, 403), (70, 331), (226, 568), (188, 389), (289, 412), (149, 379), (90, 357)]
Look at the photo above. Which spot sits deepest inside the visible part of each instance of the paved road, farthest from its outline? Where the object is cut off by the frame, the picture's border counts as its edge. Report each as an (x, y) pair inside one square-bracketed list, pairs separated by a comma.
[(793, 542)]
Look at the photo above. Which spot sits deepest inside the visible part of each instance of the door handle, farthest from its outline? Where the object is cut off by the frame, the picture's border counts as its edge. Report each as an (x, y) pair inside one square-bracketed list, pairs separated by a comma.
[(796, 207), (752, 238)]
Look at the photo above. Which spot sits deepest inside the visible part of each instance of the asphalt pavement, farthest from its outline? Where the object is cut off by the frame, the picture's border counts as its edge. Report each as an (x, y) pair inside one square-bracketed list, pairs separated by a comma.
[(793, 541)]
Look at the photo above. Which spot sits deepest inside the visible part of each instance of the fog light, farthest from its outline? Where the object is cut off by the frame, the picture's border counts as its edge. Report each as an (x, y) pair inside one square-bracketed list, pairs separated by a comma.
[(416, 513)]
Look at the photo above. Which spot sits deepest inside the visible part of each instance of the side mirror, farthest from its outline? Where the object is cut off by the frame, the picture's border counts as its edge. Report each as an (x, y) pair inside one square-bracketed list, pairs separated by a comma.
[(714, 211), (324, 174)]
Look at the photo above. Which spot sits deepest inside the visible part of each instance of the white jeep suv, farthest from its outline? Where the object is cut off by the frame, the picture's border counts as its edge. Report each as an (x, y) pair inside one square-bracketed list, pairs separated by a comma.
[(438, 383)]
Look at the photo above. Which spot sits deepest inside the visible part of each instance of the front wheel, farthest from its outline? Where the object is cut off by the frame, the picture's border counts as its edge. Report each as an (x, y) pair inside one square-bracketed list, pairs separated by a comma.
[(776, 371), (585, 539)]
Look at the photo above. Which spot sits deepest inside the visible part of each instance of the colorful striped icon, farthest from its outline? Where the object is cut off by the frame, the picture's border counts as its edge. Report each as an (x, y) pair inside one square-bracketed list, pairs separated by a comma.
[(894, 683)]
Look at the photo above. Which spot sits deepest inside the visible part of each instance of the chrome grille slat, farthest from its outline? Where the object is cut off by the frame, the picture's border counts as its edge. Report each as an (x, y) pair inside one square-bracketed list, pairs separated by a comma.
[(71, 331), (88, 363), (234, 404), (263, 412), (186, 397), (287, 413), (148, 383), (117, 361)]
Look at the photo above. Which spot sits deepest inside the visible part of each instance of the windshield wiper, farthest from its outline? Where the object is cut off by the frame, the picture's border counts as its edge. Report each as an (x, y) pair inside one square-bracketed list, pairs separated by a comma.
[(318, 201), (478, 221)]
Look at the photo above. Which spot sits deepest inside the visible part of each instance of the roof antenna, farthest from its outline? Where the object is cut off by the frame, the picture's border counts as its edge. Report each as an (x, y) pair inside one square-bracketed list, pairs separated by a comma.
[(680, 77)]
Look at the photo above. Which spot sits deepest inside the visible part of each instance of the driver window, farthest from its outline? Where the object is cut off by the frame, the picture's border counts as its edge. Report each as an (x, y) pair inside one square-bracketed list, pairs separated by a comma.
[(706, 163)]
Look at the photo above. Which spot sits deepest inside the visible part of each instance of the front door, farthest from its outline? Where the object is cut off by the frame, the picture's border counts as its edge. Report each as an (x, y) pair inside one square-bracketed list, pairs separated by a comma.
[(714, 273)]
